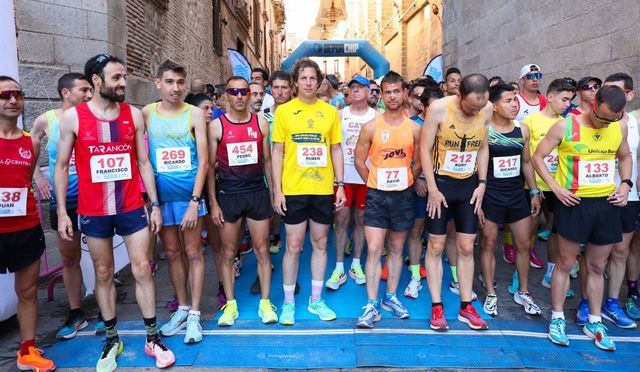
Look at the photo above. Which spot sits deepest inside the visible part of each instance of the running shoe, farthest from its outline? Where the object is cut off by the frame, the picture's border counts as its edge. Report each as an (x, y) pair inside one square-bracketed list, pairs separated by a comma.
[(255, 286), (33, 361), (394, 306), (237, 265), (546, 282), (612, 312), (157, 349), (515, 284), (100, 329), (633, 307), (470, 316), (348, 247), (172, 305), (371, 314), (490, 306), (357, 274), (384, 273), (338, 278), (229, 315), (320, 308), (557, 333), (413, 289), (437, 321), (534, 260), (267, 312), (245, 246), (598, 332), (544, 235), (177, 322), (526, 301), (71, 327), (154, 267), (484, 285), (455, 289), (288, 313), (107, 362), (275, 244), (509, 253), (582, 315), (194, 330), (574, 270), (222, 299)]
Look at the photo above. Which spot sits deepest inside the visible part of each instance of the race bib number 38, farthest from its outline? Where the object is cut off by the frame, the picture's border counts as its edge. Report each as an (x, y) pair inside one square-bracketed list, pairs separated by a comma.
[(392, 179), (13, 202), (242, 153), (173, 159), (111, 167), (310, 155), (596, 172), (506, 166), (460, 162)]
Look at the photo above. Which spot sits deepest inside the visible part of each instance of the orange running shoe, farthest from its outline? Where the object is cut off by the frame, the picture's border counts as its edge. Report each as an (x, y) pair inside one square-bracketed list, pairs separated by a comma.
[(34, 361)]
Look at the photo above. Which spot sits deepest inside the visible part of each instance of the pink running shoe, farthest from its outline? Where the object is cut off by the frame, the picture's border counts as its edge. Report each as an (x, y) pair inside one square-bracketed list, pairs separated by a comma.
[(534, 260), (157, 349), (172, 305), (509, 253)]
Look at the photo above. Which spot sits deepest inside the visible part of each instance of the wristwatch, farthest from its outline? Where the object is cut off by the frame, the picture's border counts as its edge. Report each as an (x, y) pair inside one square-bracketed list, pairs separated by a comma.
[(195, 198), (155, 204), (338, 184), (482, 181), (534, 192), (628, 182)]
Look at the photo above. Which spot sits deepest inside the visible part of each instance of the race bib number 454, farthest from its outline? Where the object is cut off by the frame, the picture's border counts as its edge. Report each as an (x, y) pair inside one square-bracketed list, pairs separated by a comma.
[(596, 172), (242, 153), (310, 155), (111, 167), (13, 202), (460, 162), (173, 159)]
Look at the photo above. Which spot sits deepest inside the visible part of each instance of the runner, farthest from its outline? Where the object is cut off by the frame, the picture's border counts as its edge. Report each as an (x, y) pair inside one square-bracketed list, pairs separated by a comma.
[(390, 143), (21, 236), (73, 89), (588, 146), (108, 138), (256, 98), (529, 98), (430, 93), (374, 95), (352, 119), (261, 77), (307, 158), (415, 106), (178, 154), (559, 94), (586, 89), (452, 80), (454, 146), (633, 262), (504, 202), (240, 145)]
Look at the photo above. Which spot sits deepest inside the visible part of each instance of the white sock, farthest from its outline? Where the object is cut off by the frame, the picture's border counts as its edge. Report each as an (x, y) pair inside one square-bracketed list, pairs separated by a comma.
[(194, 312), (557, 314), (550, 266), (595, 319), (340, 266), (355, 262), (184, 308)]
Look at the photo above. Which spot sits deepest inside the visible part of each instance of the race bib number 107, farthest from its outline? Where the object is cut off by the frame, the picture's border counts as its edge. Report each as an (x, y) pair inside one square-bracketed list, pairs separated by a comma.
[(111, 167)]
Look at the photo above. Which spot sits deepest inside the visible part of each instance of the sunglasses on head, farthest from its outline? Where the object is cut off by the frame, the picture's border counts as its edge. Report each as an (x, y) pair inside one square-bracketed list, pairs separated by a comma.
[(101, 58), (534, 75), (375, 91), (8, 94), (235, 91), (591, 87)]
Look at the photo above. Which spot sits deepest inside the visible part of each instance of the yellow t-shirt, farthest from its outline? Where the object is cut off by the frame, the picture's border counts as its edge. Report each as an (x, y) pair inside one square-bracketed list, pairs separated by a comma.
[(539, 125), (307, 132)]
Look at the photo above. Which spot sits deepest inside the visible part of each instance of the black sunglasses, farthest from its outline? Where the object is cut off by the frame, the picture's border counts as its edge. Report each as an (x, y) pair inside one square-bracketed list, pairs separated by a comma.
[(235, 91)]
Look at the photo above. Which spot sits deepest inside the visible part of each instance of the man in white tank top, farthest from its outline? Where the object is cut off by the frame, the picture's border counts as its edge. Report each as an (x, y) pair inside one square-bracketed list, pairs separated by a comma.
[(529, 100), (352, 118)]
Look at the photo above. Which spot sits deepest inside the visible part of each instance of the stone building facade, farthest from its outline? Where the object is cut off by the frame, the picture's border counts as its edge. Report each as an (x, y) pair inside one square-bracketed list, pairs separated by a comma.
[(571, 38)]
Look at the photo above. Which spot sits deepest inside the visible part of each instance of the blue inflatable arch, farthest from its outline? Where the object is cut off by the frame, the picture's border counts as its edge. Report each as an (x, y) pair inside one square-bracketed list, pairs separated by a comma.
[(340, 48)]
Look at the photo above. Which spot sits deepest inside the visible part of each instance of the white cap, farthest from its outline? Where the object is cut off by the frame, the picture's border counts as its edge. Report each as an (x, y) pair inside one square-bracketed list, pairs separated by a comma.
[(528, 68)]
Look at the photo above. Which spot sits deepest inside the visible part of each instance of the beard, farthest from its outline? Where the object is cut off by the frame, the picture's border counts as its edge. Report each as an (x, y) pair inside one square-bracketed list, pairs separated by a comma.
[(110, 94)]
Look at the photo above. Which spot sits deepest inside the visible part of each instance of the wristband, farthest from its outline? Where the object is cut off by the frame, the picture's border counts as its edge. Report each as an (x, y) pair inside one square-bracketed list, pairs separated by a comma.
[(338, 184), (155, 204), (482, 182), (534, 192), (195, 198)]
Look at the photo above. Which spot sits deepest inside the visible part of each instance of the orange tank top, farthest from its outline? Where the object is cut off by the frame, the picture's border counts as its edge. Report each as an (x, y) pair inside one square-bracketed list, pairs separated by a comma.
[(390, 156)]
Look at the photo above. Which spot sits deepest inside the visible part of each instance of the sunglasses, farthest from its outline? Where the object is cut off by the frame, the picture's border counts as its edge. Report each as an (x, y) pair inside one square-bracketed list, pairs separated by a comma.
[(8, 94), (375, 91), (591, 87), (101, 58), (600, 119), (235, 91), (534, 75)]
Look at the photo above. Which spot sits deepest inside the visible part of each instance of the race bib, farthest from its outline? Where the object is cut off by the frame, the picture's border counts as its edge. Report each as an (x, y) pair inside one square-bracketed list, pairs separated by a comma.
[(392, 179), (72, 164), (111, 167), (551, 161), (173, 159), (13, 202), (596, 172), (460, 162), (350, 155), (242, 153), (310, 155), (506, 166)]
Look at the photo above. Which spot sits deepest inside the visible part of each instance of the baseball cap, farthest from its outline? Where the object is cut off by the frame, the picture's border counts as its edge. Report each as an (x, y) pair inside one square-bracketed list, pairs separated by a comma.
[(360, 80), (528, 68), (582, 82)]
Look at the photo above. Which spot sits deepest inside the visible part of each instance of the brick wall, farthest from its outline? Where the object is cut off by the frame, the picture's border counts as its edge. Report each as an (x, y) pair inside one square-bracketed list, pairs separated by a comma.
[(565, 37)]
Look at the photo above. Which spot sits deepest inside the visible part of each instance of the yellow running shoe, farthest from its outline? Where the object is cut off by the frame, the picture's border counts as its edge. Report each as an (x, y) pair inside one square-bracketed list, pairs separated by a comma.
[(230, 314), (267, 312)]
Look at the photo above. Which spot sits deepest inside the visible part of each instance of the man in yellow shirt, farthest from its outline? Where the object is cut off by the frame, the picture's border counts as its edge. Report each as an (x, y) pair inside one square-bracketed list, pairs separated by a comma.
[(306, 158)]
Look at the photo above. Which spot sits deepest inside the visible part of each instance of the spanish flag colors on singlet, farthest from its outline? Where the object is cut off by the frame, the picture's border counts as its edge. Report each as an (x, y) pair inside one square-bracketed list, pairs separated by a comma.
[(172, 152), (390, 156), (457, 144), (539, 124), (106, 163), (587, 159), (17, 204), (53, 124)]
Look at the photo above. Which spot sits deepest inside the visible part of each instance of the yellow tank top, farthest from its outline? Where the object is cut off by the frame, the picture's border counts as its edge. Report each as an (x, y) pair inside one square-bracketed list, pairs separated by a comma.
[(457, 144), (587, 159), (539, 125), (390, 156)]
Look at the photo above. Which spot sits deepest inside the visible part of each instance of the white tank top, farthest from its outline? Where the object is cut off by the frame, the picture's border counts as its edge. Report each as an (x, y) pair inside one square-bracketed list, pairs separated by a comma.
[(351, 125), (633, 138), (525, 108)]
